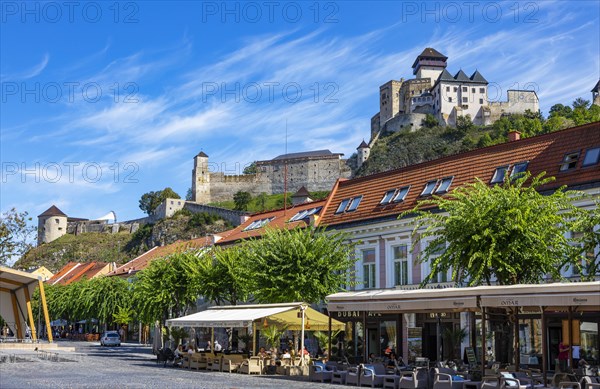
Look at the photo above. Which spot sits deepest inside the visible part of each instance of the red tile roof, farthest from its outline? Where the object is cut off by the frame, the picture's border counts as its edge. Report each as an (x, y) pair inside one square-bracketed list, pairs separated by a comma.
[(543, 152), (75, 271), (141, 262), (62, 273), (281, 220)]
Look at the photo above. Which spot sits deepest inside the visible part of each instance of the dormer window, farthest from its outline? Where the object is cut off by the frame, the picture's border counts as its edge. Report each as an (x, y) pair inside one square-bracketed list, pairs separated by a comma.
[(499, 174), (429, 187), (349, 205), (569, 161), (591, 157), (444, 185), (518, 169)]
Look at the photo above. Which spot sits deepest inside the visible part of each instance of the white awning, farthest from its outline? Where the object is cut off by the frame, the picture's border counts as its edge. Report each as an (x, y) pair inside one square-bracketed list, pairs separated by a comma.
[(215, 317), (537, 300), (435, 304)]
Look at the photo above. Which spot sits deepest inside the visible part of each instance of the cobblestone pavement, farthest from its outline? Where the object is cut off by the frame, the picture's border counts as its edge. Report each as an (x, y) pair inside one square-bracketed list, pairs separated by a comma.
[(129, 366)]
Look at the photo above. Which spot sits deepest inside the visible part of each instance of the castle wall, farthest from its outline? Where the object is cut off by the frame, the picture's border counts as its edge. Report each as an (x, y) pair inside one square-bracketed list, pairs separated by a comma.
[(222, 187), (404, 122), (517, 102), (234, 217)]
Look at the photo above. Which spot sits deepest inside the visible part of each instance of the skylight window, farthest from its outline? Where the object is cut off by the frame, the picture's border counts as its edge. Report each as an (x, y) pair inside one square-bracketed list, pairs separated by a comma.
[(258, 224), (304, 214), (429, 187), (387, 197), (354, 204), (349, 205), (499, 174), (569, 161), (591, 157), (401, 195), (343, 205), (444, 185), (518, 169)]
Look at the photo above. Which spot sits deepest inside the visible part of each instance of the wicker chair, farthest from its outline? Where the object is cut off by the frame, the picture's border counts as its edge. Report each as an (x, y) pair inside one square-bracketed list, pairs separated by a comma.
[(252, 365)]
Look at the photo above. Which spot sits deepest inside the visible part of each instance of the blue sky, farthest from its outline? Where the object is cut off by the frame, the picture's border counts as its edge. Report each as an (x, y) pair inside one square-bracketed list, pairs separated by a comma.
[(103, 101)]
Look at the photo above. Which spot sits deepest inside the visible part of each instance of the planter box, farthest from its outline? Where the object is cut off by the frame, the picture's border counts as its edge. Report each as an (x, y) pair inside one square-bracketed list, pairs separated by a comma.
[(296, 370)]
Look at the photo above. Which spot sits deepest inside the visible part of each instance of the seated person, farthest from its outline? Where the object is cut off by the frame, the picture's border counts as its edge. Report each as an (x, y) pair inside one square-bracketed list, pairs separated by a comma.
[(178, 356), (286, 354), (262, 352), (371, 358)]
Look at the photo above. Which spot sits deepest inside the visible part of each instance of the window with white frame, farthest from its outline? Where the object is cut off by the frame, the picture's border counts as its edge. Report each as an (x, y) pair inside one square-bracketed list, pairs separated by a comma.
[(427, 268), (586, 257), (400, 261), (369, 268)]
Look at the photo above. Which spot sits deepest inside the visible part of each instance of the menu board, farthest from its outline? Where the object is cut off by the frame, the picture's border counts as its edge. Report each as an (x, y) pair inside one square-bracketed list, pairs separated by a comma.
[(471, 356)]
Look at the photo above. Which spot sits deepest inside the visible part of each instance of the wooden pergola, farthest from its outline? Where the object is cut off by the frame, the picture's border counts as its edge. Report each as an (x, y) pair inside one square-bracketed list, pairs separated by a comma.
[(16, 289)]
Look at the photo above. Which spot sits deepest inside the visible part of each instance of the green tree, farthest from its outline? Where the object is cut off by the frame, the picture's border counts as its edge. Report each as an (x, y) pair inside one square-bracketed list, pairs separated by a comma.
[(464, 124), (261, 201), (189, 195), (508, 231), (149, 201), (15, 235), (560, 110), (223, 275), (251, 169), (167, 287), (301, 264), (430, 121), (581, 103), (241, 200)]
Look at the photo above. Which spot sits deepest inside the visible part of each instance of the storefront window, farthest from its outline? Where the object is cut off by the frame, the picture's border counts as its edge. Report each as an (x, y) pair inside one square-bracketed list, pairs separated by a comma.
[(388, 337), (530, 341), (589, 343)]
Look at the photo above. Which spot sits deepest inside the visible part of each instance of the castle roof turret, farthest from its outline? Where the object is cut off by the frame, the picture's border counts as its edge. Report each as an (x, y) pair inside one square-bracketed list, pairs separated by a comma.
[(202, 154), (429, 57), (597, 87), (461, 76), (52, 211), (477, 77), (363, 145)]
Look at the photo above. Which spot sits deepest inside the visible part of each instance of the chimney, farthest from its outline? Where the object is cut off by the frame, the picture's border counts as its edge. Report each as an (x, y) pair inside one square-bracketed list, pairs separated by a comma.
[(514, 136)]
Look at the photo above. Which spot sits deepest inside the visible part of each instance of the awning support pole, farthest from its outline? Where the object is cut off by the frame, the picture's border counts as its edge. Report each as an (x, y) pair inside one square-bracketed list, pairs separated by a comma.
[(329, 342), (302, 309), (30, 313), (438, 336), (570, 337), (517, 348), (483, 342), (544, 347), (45, 309)]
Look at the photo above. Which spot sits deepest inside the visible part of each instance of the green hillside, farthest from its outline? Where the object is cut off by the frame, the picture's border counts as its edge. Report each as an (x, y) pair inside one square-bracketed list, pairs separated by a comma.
[(121, 247), (266, 202)]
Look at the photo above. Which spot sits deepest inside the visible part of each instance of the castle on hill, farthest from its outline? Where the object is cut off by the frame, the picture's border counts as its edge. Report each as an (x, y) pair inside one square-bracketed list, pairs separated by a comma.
[(314, 170), (434, 90)]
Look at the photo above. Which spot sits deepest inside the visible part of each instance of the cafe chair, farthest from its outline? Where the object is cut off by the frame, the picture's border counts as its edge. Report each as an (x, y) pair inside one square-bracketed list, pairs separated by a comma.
[(372, 374)]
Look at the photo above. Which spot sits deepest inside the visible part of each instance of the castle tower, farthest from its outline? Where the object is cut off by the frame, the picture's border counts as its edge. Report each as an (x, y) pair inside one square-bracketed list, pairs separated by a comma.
[(389, 100), (363, 153), (52, 224), (429, 64), (201, 179), (596, 94)]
